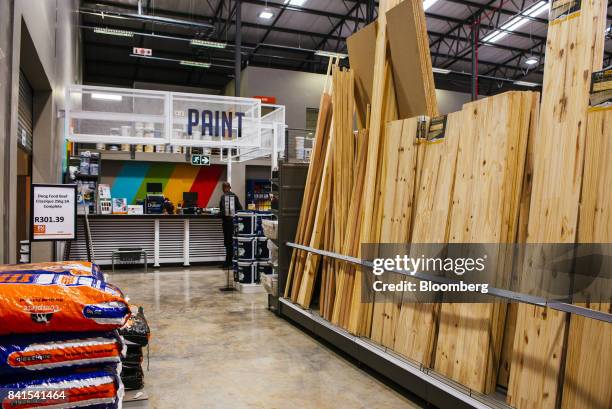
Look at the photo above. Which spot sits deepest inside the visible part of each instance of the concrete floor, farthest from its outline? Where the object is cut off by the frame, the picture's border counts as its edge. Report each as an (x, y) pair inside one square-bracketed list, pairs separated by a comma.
[(211, 349)]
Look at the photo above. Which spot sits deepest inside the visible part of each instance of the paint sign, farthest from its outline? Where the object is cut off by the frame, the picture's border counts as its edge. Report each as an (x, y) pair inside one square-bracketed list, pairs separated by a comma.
[(214, 123), (147, 52), (200, 160), (54, 209)]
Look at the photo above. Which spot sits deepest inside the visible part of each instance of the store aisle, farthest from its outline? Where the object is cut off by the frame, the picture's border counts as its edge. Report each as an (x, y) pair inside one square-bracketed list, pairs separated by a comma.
[(212, 350)]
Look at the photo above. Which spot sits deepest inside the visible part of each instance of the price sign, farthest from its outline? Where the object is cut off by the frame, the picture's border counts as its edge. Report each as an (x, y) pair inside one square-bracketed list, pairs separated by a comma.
[(53, 212), (200, 160)]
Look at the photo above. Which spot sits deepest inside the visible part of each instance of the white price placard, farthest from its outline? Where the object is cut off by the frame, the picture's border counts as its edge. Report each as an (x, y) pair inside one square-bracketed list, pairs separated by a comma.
[(53, 212)]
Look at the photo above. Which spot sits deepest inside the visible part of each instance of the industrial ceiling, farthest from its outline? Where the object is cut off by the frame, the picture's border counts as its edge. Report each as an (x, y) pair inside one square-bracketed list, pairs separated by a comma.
[(510, 36)]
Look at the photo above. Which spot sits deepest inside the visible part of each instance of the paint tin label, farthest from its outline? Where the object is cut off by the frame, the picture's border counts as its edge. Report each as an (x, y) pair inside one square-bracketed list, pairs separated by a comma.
[(601, 87), (563, 8)]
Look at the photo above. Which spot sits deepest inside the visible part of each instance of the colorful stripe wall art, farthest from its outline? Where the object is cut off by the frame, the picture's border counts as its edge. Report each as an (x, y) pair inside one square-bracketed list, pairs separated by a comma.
[(129, 180)]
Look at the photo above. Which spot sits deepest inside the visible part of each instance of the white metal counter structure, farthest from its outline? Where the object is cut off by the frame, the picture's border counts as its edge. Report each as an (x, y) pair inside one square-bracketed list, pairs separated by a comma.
[(95, 114), (167, 239)]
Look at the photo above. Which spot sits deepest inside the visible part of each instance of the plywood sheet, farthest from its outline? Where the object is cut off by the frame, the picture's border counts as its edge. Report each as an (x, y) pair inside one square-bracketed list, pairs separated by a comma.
[(361, 47), (411, 60)]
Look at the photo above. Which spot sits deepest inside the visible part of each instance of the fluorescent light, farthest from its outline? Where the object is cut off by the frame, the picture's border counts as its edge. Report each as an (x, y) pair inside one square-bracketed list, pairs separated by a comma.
[(428, 3), (206, 43), (113, 32), (330, 54), (298, 3), (518, 21), (532, 60), (441, 70), (195, 63), (267, 15), (106, 97), (526, 84)]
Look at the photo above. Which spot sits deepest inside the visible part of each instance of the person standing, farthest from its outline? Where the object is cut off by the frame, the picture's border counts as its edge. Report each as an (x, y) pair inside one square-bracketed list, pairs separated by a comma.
[(229, 205)]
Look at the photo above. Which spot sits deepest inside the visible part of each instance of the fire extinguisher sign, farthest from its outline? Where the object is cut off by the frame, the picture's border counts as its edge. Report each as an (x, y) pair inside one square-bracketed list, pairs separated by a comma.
[(53, 212)]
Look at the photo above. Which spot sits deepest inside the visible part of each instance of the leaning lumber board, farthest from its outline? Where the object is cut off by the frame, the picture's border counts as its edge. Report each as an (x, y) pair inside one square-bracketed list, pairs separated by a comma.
[(349, 246), (311, 189), (485, 209), (588, 368), (510, 329), (399, 183), (311, 266), (574, 49), (411, 60), (416, 325), (383, 104)]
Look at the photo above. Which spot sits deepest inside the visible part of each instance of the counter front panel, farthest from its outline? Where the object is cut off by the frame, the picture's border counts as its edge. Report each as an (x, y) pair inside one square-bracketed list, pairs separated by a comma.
[(166, 239)]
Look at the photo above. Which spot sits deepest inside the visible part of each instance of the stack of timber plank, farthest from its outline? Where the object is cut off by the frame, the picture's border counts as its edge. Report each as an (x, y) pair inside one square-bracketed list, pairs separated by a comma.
[(342, 160), (485, 209), (417, 321), (311, 196), (574, 50), (588, 367), (399, 174)]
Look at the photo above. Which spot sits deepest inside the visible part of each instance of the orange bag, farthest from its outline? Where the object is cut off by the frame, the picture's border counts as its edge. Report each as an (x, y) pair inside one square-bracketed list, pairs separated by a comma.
[(38, 302)]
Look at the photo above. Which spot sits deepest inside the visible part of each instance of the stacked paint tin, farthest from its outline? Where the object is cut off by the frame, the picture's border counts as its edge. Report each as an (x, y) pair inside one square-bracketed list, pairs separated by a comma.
[(251, 253)]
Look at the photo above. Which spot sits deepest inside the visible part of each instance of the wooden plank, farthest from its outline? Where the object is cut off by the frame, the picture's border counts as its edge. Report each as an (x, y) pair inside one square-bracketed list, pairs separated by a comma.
[(310, 192), (574, 50), (588, 367), (416, 325), (485, 208), (411, 60)]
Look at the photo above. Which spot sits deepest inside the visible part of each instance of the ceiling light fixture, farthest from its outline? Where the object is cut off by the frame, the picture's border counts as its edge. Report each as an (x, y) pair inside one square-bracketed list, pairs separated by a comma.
[(428, 3), (515, 22), (441, 70), (526, 84), (106, 97), (297, 3), (266, 15), (206, 43), (113, 32), (195, 63), (330, 54), (532, 60)]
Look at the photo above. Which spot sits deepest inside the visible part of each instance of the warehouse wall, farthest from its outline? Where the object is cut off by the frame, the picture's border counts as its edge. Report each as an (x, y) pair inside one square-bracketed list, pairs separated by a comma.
[(6, 40), (301, 90), (45, 45)]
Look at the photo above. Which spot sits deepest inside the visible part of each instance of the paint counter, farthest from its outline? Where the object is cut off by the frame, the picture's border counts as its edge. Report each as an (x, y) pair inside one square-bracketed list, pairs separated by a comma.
[(167, 239)]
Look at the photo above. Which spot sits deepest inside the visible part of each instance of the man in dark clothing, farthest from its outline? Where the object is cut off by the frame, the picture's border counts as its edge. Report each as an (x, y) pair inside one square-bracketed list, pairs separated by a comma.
[(229, 205)]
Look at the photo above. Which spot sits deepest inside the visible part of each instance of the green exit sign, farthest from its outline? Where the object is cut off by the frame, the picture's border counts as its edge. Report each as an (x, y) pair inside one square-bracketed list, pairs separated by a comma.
[(200, 160)]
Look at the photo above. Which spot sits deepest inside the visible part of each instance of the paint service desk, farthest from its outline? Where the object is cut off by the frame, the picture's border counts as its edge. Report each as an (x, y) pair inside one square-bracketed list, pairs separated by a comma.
[(166, 238)]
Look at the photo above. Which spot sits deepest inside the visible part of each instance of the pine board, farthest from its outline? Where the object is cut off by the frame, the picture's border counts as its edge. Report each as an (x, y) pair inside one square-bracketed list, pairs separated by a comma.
[(588, 367), (416, 327), (485, 208), (574, 50), (399, 179)]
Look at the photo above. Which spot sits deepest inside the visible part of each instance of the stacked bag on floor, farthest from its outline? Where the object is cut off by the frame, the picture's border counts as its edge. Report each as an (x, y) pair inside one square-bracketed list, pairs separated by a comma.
[(136, 334), (251, 253), (59, 344)]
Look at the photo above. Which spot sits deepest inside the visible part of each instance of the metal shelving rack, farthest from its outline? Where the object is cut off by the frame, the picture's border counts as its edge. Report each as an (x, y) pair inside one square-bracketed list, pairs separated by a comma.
[(288, 185)]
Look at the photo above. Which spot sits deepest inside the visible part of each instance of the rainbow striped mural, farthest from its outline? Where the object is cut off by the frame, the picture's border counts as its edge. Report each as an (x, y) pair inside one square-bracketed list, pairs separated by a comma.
[(129, 180)]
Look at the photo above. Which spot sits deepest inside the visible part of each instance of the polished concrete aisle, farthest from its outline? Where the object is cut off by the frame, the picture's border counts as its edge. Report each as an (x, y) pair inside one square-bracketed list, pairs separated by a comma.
[(212, 350)]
